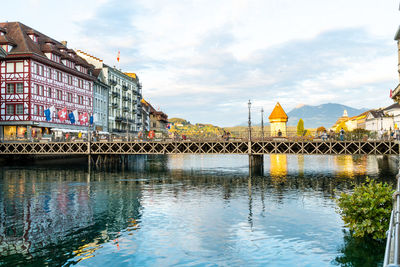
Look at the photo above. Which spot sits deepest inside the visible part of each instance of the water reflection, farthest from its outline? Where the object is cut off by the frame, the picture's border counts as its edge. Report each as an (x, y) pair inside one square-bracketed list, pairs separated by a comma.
[(182, 210)]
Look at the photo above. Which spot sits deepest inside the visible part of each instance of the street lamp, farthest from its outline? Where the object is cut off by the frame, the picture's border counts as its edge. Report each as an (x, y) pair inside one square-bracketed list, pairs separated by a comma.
[(249, 105), (262, 124)]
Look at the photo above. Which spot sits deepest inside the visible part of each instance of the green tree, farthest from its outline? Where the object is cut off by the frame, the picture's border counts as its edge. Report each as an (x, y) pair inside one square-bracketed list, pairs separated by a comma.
[(367, 210), (300, 127)]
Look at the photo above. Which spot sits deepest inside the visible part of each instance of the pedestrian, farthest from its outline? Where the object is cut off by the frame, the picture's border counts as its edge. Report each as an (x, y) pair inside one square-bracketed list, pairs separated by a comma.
[(279, 133), (341, 134), (324, 136)]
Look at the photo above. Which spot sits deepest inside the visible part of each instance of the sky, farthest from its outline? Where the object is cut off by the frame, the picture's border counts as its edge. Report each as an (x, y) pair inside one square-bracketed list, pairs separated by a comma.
[(203, 60)]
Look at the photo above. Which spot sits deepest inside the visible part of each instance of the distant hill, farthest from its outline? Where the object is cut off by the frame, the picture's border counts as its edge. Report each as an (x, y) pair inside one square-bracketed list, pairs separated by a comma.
[(179, 120), (321, 115), (314, 116)]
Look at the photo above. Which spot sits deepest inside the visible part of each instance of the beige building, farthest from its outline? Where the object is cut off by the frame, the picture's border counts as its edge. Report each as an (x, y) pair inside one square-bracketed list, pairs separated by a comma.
[(278, 120)]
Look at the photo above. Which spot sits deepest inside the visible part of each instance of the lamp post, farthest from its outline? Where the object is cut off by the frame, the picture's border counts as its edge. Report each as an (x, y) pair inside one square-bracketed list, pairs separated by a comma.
[(249, 105), (262, 124)]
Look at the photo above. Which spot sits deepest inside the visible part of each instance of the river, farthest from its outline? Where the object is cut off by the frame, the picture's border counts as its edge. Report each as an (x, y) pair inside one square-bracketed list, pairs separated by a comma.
[(186, 210)]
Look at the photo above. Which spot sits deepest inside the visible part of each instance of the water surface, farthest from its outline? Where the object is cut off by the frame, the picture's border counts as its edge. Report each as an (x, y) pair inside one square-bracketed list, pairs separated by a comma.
[(186, 211)]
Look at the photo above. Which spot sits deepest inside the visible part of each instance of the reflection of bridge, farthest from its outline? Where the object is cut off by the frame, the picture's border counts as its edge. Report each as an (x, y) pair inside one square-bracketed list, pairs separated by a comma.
[(209, 147)]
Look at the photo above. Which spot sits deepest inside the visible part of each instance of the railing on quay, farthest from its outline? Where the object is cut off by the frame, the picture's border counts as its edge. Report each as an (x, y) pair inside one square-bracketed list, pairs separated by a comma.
[(392, 251)]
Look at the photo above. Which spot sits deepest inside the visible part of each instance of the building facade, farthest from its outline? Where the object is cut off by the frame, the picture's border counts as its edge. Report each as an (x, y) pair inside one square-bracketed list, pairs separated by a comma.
[(124, 109), (38, 73), (158, 121), (101, 91)]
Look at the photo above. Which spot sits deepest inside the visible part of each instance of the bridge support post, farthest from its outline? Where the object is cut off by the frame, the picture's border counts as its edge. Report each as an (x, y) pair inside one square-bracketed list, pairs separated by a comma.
[(256, 164)]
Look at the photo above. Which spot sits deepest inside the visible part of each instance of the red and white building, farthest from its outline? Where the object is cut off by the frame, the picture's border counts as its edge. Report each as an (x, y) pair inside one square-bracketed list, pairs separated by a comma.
[(37, 73)]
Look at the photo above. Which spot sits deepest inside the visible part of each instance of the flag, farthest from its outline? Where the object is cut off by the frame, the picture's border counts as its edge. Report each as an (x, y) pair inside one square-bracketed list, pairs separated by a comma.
[(76, 115), (49, 113), (168, 126), (83, 118), (91, 119), (118, 56), (62, 114), (71, 117)]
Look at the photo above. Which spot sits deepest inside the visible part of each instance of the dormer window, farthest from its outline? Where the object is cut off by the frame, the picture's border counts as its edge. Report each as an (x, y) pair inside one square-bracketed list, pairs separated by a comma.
[(33, 37), (7, 47)]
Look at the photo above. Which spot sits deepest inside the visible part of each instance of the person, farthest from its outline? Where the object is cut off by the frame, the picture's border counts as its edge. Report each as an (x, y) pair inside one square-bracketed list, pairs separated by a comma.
[(380, 134), (79, 135), (341, 133), (67, 137), (279, 133), (324, 136), (397, 134)]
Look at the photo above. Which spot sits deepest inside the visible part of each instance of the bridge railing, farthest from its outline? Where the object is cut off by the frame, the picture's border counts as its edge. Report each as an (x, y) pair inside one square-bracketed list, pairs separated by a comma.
[(392, 251), (227, 136)]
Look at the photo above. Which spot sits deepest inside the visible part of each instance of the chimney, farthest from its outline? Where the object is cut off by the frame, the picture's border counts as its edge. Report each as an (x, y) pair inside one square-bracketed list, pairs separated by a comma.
[(64, 43)]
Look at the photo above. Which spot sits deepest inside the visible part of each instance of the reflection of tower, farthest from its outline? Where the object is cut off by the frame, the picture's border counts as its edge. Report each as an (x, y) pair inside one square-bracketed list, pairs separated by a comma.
[(300, 162), (278, 120), (278, 168)]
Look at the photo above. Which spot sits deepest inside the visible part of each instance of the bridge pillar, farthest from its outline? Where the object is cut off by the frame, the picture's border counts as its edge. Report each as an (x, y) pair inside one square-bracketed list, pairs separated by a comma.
[(256, 164)]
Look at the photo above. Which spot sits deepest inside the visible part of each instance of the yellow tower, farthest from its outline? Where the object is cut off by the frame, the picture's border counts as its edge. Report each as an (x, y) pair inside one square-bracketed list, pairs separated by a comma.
[(278, 120)]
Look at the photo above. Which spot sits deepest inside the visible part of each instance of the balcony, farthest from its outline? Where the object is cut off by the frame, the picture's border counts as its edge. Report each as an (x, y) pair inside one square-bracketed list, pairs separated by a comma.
[(125, 98), (125, 87), (125, 109), (112, 82), (115, 94), (119, 118), (114, 105), (139, 115)]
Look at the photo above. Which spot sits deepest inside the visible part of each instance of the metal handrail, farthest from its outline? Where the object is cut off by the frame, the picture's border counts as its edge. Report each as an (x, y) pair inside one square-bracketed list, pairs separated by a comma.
[(392, 251)]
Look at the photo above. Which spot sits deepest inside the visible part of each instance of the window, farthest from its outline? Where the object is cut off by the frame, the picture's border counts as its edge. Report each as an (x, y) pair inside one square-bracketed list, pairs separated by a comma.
[(59, 94), (59, 76), (41, 111), (36, 89), (69, 95), (35, 110), (50, 73), (10, 109), (19, 88), (69, 79), (90, 102), (39, 69), (10, 67), (10, 88), (49, 93), (19, 67), (19, 109), (80, 99)]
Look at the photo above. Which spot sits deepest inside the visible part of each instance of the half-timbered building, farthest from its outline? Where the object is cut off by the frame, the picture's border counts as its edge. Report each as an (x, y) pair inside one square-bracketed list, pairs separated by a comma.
[(37, 73)]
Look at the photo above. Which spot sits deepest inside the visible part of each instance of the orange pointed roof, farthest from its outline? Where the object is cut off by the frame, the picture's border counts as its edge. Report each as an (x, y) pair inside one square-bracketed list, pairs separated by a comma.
[(278, 113)]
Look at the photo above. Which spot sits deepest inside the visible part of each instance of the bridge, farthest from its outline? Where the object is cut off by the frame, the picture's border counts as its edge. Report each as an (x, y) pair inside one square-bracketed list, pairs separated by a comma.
[(278, 146)]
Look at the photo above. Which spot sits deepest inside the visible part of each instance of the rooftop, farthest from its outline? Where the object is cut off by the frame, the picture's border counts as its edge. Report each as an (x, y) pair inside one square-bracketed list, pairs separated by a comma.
[(278, 113)]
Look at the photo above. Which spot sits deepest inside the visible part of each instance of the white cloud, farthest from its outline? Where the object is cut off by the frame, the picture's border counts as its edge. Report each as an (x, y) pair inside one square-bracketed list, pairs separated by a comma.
[(207, 55)]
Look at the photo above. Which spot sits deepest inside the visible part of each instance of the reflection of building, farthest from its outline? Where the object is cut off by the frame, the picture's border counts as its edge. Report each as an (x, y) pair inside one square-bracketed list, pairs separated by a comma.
[(348, 166), (278, 168), (278, 120), (36, 73), (63, 214)]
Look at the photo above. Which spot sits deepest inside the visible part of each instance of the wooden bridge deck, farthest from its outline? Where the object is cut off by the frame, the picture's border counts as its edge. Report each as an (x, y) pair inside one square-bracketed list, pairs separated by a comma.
[(209, 147)]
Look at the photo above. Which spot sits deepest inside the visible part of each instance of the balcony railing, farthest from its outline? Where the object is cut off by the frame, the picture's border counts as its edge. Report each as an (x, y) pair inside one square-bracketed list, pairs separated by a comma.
[(125, 87), (119, 118), (125, 109), (125, 98), (114, 105), (115, 94)]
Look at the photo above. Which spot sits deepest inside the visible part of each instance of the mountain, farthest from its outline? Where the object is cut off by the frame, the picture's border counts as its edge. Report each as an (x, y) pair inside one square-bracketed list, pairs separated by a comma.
[(322, 115)]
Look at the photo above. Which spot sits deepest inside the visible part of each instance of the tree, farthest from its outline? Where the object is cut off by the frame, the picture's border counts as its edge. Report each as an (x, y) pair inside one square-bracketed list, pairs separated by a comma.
[(340, 126), (321, 129), (300, 127), (367, 210)]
